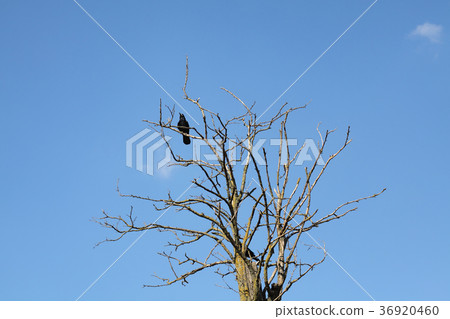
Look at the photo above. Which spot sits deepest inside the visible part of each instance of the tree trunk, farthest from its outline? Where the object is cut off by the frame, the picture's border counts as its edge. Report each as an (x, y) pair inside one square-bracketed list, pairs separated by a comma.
[(248, 280)]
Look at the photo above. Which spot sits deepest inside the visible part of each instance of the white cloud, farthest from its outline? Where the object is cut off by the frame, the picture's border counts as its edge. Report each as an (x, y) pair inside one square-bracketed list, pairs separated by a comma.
[(432, 32)]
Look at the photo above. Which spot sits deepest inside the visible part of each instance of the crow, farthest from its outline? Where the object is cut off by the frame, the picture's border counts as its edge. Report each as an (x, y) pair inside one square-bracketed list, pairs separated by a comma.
[(250, 254), (183, 126)]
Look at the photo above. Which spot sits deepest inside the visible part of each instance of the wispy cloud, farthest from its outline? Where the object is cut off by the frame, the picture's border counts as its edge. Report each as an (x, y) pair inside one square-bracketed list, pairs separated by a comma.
[(430, 31)]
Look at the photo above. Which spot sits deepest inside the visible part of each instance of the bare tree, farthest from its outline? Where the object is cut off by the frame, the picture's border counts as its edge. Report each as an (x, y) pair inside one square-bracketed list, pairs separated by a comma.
[(243, 199)]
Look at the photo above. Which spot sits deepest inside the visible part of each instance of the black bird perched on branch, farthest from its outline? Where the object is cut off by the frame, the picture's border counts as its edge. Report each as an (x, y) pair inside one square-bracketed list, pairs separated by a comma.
[(250, 254), (183, 126)]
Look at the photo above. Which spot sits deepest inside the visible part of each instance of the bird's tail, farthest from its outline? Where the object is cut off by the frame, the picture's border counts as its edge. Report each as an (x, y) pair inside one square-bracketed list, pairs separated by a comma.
[(186, 140)]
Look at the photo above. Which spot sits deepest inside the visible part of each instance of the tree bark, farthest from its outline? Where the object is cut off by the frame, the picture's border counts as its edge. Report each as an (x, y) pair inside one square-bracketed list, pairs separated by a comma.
[(248, 280)]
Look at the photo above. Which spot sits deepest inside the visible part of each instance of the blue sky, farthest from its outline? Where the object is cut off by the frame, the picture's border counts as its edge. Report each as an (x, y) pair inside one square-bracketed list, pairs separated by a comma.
[(70, 98)]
